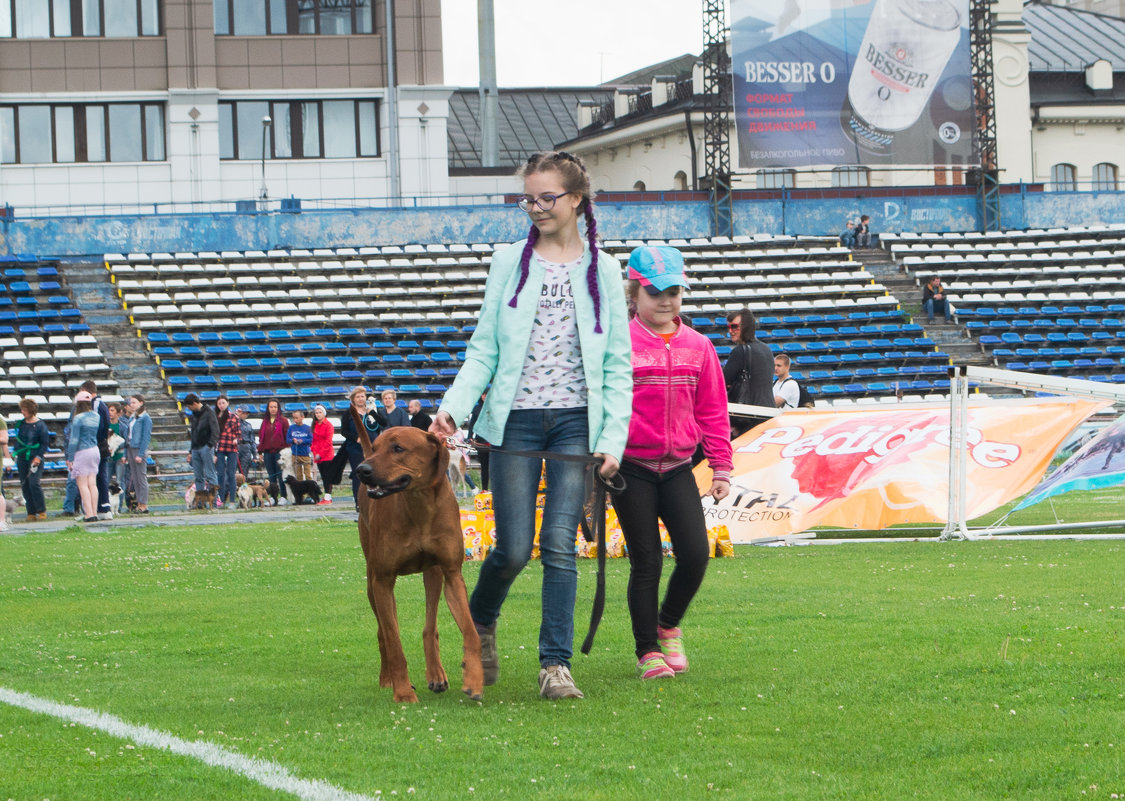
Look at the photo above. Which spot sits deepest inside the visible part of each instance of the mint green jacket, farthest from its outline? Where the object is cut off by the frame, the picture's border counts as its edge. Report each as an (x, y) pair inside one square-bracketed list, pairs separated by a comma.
[(498, 347)]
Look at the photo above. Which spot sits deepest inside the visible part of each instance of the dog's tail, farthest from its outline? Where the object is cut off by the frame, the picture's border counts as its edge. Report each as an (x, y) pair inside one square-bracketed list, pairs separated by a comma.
[(361, 433)]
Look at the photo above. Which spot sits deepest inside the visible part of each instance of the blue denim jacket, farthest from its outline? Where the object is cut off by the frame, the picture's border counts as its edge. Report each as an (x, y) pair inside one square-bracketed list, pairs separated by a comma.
[(497, 349), (83, 433)]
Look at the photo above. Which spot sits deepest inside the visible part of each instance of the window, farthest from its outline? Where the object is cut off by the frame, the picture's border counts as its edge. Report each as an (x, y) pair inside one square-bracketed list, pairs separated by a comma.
[(679, 180), (775, 179), (65, 134), (639, 186), (279, 17), (850, 176), (309, 129), (1105, 177), (43, 19), (1063, 178)]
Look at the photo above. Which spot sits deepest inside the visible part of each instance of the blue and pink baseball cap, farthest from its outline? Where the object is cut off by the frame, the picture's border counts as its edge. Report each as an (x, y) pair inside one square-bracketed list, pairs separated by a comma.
[(657, 267)]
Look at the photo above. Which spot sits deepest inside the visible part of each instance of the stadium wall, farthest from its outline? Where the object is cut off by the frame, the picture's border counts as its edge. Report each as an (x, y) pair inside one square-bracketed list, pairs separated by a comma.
[(650, 216)]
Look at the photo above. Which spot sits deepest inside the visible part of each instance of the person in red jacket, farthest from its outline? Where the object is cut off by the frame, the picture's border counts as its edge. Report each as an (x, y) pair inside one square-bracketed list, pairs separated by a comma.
[(271, 442), (679, 401), (322, 451)]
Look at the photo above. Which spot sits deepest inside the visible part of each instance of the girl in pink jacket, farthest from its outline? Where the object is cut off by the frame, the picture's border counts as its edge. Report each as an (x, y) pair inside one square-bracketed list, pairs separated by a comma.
[(679, 401)]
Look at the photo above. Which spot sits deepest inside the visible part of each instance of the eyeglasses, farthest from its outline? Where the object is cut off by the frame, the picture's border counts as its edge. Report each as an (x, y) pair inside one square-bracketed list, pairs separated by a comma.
[(544, 202), (734, 327)]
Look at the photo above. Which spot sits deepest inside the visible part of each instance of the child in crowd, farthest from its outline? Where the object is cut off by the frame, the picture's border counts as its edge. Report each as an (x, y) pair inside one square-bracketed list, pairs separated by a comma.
[(299, 438), (679, 401)]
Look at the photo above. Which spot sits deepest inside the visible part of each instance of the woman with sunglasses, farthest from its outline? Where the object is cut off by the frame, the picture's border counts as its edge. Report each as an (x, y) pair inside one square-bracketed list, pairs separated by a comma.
[(748, 371), (553, 342)]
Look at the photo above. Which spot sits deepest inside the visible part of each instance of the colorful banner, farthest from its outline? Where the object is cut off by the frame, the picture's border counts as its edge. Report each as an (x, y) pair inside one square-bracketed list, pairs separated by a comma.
[(852, 82), (873, 468), (1098, 463)]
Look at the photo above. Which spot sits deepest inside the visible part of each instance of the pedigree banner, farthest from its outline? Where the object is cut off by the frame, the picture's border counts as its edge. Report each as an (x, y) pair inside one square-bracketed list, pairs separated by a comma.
[(837, 82), (873, 468)]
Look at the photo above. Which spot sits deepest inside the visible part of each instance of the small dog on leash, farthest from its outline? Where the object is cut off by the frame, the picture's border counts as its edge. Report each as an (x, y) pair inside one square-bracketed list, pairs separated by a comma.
[(302, 490), (199, 499), (116, 498), (251, 496)]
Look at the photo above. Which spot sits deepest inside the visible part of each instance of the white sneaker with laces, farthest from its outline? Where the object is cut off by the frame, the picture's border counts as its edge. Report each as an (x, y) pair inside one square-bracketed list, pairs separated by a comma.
[(555, 682)]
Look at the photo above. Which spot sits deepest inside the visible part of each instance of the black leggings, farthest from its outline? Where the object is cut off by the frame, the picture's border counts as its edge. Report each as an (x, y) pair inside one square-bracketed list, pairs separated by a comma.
[(673, 498)]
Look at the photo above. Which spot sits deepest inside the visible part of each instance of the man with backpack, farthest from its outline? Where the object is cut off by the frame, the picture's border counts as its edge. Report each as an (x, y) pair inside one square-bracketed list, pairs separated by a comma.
[(787, 391)]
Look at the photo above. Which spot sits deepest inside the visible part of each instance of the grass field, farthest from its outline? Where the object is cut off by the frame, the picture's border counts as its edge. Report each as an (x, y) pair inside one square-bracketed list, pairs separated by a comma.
[(982, 670)]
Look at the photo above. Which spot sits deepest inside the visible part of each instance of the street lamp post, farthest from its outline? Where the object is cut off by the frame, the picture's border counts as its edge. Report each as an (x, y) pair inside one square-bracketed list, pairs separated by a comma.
[(266, 122)]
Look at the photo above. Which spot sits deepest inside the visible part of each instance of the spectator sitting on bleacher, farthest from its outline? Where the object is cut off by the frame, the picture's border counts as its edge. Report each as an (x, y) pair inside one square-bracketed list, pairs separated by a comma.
[(847, 237), (933, 297), (32, 441), (863, 232)]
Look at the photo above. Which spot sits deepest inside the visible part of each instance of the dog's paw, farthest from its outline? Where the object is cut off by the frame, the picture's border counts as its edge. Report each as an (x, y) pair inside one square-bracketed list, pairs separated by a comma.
[(439, 686), (475, 694)]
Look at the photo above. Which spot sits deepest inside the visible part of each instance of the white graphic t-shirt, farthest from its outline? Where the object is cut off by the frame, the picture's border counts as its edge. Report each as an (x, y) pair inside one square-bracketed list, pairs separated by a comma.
[(552, 371)]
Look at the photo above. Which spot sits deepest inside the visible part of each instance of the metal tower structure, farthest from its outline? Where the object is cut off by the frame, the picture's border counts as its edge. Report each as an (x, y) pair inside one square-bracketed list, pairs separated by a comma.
[(717, 100), (984, 91)]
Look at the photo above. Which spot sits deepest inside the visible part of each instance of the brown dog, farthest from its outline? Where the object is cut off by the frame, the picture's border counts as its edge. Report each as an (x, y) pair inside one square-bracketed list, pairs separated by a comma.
[(409, 523)]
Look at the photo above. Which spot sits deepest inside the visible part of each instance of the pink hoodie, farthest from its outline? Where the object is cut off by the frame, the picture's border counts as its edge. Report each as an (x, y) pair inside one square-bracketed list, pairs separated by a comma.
[(679, 400)]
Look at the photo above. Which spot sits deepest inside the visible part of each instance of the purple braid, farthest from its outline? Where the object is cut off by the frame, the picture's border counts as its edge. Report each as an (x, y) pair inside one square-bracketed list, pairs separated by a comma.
[(592, 270), (525, 261)]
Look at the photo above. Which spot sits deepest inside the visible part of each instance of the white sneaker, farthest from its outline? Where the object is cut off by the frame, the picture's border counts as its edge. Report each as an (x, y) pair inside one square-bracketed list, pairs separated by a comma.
[(5, 525), (105, 515), (282, 501), (555, 683)]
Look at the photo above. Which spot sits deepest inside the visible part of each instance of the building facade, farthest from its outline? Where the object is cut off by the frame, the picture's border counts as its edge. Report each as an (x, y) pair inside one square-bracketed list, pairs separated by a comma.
[(141, 102)]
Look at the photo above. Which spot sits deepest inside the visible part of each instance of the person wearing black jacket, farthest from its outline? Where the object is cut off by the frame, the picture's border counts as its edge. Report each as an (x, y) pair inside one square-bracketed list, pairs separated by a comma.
[(204, 436), (374, 421), (418, 418), (749, 370)]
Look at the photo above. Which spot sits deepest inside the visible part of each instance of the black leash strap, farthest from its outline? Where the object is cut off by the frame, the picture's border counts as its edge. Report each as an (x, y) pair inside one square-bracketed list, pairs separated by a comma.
[(613, 486)]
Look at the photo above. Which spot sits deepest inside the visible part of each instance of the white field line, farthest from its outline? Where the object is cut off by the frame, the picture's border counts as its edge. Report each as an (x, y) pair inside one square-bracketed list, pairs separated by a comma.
[(264, 772)]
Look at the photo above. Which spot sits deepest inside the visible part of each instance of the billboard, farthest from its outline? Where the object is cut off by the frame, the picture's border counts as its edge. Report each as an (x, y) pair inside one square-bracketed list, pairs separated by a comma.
[(839, 82), (870, 468)]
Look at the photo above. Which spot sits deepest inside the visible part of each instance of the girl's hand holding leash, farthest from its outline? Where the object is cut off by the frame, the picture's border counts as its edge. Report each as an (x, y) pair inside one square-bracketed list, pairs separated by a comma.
[(609, 466), (442, 425), (719, 490)]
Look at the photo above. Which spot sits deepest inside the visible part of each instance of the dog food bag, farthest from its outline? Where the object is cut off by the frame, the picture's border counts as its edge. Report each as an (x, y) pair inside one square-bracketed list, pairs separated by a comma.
[(712, 539), (483, 501), (723, 545)]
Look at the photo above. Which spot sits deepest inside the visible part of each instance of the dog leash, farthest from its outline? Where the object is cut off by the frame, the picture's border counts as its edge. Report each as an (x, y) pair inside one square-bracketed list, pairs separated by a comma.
[(614, 485)]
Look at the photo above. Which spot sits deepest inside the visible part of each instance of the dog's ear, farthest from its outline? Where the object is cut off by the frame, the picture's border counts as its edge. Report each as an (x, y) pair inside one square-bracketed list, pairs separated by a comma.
[(441, 458)]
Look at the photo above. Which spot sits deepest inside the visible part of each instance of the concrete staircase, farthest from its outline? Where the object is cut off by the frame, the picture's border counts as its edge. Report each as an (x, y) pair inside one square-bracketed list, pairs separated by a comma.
[(950, 338), (132, 365)]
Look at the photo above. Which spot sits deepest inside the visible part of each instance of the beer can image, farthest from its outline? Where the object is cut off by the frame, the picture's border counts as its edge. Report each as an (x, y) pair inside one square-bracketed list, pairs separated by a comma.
[(904, 51)]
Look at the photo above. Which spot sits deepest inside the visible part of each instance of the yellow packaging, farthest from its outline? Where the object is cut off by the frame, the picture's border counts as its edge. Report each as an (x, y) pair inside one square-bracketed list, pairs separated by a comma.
[(483, 501)]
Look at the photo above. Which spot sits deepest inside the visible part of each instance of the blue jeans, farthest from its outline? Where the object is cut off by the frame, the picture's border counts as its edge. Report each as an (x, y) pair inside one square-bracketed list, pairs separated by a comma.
[(203, 465), (929, 304), (515, 483), (226, 464), (272, 462), (70, 500)]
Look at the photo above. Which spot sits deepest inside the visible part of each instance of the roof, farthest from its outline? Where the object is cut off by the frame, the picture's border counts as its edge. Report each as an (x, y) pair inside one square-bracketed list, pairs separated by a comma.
[(1069, 39), (530, 120), (680, 67)]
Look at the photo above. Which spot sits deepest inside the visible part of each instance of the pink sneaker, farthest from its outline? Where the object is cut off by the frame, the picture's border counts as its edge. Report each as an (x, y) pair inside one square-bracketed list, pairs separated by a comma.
[(324, 502), (672, 643), (653, 666)]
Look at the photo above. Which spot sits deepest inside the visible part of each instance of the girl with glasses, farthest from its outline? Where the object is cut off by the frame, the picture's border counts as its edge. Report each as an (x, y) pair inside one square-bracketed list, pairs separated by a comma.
[(553, 341)]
